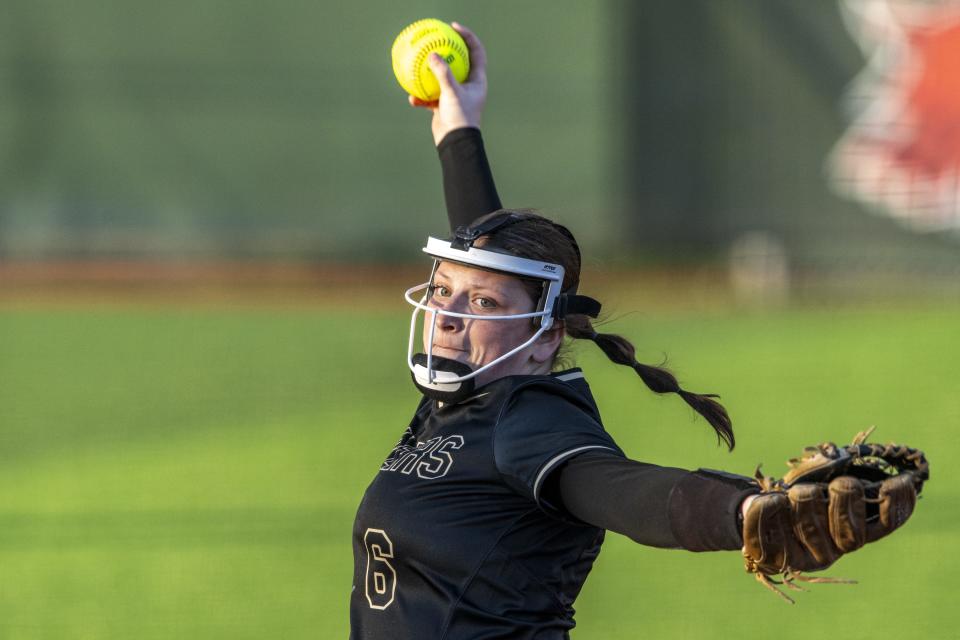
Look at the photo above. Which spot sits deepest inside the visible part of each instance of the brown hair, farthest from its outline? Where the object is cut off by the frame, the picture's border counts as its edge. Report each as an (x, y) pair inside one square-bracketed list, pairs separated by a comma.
[(538, 238)]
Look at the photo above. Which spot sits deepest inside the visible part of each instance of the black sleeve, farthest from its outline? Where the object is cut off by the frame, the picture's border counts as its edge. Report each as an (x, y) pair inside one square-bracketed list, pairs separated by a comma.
[(537, 432), (467, 180), (653, 505)]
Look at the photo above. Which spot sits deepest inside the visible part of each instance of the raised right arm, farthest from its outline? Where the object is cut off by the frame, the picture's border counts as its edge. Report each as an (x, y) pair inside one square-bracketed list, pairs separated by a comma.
[(468, 185)]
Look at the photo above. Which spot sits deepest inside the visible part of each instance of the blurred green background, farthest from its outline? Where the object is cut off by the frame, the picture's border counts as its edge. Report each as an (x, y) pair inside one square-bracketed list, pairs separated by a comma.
[(194, 473), (662, 131), (208, 212), (233, 128)]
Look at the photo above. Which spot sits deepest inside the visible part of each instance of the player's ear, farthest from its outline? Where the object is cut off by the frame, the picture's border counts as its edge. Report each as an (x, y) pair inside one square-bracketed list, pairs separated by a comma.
[(545, 347)]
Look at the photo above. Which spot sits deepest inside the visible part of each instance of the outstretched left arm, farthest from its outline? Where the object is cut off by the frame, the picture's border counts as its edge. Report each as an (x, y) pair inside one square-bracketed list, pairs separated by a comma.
[(654, 505)]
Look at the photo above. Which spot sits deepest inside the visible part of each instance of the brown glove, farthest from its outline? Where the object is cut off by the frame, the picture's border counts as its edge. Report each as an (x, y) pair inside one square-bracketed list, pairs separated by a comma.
[(832, 501)]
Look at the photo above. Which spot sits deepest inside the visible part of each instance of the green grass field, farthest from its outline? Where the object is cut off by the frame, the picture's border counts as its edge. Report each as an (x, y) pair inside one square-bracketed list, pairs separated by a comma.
[(193, 472)]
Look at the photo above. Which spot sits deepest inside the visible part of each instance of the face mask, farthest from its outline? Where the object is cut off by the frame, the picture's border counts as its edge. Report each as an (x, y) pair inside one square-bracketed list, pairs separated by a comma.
[(451, 381), (437, 376)]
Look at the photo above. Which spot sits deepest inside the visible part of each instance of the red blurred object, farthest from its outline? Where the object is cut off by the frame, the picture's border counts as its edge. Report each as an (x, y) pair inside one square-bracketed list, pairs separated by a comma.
[(901, 155)]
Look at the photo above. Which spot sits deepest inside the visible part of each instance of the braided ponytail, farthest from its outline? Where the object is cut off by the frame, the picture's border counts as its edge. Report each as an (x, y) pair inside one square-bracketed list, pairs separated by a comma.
[(538, 238), (620, 351)]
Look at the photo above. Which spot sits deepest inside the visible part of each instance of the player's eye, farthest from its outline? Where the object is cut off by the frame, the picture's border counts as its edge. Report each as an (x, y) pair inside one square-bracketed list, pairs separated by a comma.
[(439, 290), (486, 303)]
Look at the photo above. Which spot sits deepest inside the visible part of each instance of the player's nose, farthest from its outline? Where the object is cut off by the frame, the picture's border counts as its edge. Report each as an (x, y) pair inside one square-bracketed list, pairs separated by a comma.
[(449, 323)]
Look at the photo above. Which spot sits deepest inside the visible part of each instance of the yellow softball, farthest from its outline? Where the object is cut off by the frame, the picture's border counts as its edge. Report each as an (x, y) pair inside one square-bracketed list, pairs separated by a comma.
[(410, 51)]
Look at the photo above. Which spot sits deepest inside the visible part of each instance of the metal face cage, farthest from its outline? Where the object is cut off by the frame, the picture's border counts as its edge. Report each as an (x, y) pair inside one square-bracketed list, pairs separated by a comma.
[(551, 275)]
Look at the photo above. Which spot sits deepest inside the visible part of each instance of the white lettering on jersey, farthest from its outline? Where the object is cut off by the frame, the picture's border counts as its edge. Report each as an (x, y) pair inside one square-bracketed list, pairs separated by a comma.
[(408, 461), (440, 459), (431, 459)]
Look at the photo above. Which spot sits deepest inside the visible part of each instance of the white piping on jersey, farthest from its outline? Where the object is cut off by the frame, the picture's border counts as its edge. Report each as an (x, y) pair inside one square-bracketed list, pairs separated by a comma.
[(555, 460)]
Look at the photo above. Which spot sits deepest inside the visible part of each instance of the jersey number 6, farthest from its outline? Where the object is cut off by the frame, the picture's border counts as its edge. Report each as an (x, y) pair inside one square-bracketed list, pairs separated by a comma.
[(381, 580)]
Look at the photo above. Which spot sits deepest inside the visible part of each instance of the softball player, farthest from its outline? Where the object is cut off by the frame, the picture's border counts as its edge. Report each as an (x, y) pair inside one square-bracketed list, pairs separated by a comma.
[(486, 517)]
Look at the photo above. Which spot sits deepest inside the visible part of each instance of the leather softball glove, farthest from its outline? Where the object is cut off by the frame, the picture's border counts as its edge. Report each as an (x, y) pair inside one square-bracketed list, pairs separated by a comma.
[(832, 501)]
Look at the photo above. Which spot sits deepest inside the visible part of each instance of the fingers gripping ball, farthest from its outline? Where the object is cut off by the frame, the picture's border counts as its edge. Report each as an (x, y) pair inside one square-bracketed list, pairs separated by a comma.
[(832, 501), (410, 51)]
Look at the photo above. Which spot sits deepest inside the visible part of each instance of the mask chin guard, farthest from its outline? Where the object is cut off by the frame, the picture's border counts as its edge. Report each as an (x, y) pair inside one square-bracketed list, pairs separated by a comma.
[(447, 384)]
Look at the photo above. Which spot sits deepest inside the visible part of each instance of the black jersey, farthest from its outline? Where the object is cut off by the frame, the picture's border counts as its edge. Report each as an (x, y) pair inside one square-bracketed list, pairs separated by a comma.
[(455, 539)]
